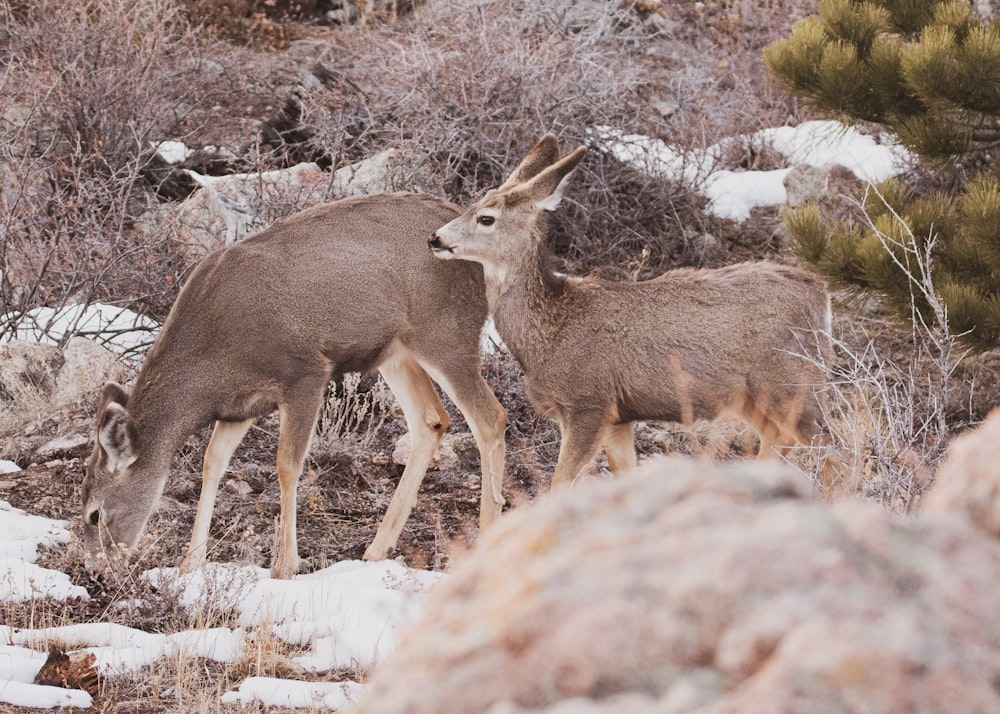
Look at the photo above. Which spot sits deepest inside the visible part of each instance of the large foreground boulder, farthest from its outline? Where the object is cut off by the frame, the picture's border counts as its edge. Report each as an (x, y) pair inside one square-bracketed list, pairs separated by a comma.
[(968, 483), (693, 587)]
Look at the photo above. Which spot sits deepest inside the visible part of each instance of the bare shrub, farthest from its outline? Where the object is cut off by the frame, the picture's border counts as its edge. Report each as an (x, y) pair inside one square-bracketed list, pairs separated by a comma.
[(889, 421), (738, 24), (356, 408), (87, 87), (474, 84)]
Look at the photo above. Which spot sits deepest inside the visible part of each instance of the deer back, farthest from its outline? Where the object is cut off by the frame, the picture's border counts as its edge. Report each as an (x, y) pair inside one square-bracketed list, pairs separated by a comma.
[(325, 290)]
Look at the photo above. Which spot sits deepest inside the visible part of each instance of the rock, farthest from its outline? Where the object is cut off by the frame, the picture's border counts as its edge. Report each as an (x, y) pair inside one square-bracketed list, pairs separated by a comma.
[(237, 486), (967, 484), (712, 588), (369, 176), (28, 367), (53, 377), (86, 366), (444, 458), (665, 109), (63, 444), (814, 183), (227, 209)]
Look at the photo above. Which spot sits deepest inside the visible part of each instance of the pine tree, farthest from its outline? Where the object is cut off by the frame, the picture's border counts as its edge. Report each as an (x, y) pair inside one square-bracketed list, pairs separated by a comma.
[(929, 72)]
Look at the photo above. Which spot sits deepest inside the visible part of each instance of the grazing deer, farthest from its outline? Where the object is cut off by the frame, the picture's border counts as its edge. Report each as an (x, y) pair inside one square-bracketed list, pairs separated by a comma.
[(600, 355), (265, 324)]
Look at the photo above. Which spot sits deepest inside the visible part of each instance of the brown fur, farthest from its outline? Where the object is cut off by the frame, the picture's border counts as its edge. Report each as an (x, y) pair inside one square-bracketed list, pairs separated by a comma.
[(265, 325), (599, 355)]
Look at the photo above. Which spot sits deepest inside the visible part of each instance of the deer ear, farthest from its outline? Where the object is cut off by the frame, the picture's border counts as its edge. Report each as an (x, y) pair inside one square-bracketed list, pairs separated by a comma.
[(541, 156), (546, 190), (116, 433)]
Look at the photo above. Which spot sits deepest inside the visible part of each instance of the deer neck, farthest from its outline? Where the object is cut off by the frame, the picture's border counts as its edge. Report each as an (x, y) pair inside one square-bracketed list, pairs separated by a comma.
[(527, 302), (163, 419)]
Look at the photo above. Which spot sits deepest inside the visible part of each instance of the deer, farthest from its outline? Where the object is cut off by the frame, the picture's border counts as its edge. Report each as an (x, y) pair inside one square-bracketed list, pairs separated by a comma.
[(600, 355), (264, 325)]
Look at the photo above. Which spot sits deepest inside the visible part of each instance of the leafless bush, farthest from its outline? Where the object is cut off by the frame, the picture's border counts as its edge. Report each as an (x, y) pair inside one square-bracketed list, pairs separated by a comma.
[(86, 87), (355, 408), (473, 84), (889, 422)]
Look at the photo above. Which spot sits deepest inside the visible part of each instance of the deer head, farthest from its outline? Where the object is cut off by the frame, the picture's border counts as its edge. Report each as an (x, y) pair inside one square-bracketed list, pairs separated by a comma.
[(121, 519), (499, 229)]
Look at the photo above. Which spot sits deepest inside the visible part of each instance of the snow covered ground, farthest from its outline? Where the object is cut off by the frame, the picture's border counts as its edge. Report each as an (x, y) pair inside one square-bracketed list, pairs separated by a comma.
[(348, 615)]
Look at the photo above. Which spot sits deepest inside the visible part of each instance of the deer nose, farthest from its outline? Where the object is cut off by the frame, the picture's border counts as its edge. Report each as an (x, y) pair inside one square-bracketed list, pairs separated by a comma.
[(435, 244)]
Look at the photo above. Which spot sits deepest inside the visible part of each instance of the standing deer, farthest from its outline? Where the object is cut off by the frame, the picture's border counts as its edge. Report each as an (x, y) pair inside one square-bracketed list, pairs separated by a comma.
[(600, 355), (266, 324)]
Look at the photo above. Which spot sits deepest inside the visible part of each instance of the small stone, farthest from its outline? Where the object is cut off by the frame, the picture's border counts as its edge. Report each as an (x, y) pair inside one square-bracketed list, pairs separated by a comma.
[(238, 486), (48, 502), (665, 109), (444, 458)]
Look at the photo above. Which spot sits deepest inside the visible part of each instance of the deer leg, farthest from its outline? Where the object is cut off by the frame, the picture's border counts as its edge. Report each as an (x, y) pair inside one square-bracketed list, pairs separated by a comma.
[(579, 443), (778, 435), (426, 421), (296, 419), (778, 415), (619, 446), (487, 421), (226, 436)]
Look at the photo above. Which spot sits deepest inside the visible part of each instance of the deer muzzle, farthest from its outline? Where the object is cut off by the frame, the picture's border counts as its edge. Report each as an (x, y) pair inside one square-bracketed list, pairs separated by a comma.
[(438, 247)]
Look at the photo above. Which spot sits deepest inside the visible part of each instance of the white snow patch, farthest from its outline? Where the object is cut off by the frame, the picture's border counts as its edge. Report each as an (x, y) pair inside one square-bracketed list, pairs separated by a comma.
[(219, 644), (350, 612), (22, 694), (18, 668), (732, 194), (19, 663), (21, 582), (116, 328), (20, 578), (173, 152), (829, 143), (273, 692)]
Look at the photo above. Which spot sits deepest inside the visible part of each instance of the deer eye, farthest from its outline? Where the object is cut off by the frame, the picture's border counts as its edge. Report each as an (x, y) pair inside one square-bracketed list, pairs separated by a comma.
[(486, 220), (94, 517)]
